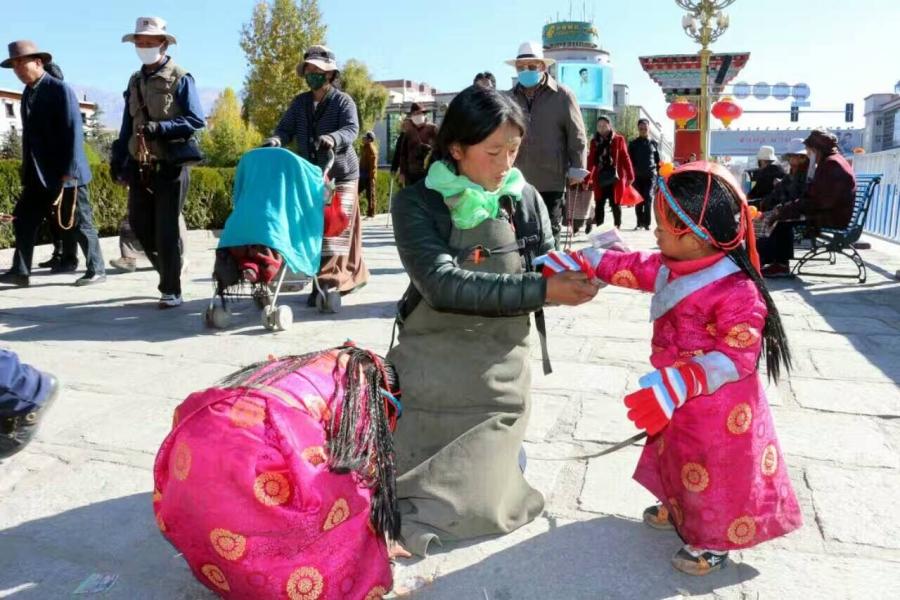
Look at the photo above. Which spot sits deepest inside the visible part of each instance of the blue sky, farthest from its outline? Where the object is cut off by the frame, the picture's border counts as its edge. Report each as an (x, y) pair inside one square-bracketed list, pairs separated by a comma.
[(843, 50)]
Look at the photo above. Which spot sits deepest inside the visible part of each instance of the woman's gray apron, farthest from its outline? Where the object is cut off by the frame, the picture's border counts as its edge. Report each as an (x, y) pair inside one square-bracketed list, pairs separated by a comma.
[(466, 387)]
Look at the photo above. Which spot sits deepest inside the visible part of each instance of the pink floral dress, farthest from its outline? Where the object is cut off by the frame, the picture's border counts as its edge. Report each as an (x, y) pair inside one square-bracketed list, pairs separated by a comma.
[(717, 467), (242, 489)]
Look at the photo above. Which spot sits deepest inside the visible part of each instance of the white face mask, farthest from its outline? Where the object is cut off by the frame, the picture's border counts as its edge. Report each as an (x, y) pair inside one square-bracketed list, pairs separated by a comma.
[(149, 56), (418, 119)]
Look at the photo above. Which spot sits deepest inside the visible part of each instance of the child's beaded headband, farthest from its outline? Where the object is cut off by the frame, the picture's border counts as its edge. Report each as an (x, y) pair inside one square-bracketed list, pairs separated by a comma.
[(745, 227)]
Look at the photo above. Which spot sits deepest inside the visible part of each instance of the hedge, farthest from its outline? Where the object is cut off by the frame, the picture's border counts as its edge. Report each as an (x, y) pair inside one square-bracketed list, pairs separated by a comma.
[(208, 201)]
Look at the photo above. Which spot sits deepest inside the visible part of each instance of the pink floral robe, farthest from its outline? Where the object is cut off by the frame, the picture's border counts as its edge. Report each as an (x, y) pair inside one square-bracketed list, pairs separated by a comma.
[(242, 489), (717, 467)]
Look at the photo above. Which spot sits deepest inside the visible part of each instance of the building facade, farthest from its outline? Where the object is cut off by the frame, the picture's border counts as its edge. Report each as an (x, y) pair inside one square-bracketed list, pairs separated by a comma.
[(882, 131), (11, 111)]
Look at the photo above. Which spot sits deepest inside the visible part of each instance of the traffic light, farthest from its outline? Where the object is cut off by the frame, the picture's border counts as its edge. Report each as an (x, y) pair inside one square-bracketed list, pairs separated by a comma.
[(848, 112), (795, 114)]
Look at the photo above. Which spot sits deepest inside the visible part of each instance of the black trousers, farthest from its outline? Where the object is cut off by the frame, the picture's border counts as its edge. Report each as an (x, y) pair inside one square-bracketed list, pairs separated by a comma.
[(154, 207), (644, 211), (778, 247), (34, 207), (601, 195), (367, 188), (554, 203)]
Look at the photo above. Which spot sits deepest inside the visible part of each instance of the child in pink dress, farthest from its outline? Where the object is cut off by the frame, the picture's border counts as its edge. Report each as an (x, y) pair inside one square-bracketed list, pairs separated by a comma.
[(280, 483), (712, 457)]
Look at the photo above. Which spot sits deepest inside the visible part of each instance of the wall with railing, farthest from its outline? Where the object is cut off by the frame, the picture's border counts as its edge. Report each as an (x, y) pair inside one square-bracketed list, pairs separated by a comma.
[(884, 213)]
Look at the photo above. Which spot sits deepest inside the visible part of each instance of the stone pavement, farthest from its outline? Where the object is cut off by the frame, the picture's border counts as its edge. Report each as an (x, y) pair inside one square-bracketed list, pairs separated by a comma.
[(77, 501)]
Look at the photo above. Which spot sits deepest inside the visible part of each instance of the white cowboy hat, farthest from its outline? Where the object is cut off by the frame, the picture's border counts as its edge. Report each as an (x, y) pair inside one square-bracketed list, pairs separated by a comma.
[(766, 153), (531, 51), (150, 26), (795, 146)]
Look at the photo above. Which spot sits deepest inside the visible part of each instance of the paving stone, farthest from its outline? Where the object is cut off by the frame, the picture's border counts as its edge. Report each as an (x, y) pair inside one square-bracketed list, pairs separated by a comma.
[(840, 365), (856, 506), (609, 488), (840, 439), (545, 411), (866, 398)]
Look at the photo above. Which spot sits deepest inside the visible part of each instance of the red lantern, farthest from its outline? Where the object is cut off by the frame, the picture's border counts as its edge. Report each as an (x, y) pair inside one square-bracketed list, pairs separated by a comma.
[(681, 111), (726, 111)]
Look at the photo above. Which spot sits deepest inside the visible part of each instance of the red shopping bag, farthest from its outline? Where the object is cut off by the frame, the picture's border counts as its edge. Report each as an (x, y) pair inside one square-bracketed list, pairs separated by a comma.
[(631, 197), (336, 220)]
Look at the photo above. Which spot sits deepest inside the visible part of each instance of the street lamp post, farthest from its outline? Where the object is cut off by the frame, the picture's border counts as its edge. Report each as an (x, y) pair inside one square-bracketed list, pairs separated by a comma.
[(704, 23)]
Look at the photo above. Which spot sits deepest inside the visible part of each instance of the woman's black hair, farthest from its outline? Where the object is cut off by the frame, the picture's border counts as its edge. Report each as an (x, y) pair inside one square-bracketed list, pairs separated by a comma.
[(359, 435), (721, 221), (473, 115), (486, 75)]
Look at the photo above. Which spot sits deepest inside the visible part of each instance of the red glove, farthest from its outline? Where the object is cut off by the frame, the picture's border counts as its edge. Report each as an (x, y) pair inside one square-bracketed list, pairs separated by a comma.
[(663, 391)]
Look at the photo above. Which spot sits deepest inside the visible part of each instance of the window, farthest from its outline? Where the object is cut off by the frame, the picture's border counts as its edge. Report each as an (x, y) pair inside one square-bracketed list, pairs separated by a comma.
[(10, 112), (84, 118)]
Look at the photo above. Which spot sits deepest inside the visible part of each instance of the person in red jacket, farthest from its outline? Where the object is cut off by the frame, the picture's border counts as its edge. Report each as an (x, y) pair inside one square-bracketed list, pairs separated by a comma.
[(611, 170)]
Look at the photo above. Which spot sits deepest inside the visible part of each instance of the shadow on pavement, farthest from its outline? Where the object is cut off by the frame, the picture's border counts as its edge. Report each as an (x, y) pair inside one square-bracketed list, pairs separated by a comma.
[(608, 557), (48, 558)]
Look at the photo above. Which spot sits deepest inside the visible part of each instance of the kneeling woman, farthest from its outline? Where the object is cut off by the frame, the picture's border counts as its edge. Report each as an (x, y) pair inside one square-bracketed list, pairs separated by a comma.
[(280, 483), (466, 235)]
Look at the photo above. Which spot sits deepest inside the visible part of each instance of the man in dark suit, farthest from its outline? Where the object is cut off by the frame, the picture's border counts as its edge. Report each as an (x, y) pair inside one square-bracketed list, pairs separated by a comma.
[(53, 165)]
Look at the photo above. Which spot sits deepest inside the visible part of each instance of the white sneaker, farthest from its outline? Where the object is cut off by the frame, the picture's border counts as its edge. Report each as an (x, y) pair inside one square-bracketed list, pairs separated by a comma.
[(129, 265), (170, 301)]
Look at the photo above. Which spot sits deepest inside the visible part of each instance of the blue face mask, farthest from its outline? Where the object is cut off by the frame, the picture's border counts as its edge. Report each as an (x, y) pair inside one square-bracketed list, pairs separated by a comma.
[(530, 78)]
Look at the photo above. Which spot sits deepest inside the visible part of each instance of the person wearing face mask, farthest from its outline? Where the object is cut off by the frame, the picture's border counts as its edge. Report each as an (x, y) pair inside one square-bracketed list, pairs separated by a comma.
[(161, 106), (827, 202), (554, 149), (55, 171), (322, 119), (414, 145)]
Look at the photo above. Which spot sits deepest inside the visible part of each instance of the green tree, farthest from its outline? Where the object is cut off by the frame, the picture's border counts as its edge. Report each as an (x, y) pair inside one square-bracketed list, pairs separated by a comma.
[(227, 136), (11, 147), (626, 122), (371, 99), (273, 42)]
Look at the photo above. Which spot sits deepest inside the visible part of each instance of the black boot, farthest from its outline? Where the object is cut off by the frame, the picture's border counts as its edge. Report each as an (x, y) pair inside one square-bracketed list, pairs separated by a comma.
[(17, 430)]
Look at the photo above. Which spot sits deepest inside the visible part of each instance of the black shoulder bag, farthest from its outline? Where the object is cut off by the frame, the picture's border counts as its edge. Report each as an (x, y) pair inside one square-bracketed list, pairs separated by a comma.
[(181, 152)]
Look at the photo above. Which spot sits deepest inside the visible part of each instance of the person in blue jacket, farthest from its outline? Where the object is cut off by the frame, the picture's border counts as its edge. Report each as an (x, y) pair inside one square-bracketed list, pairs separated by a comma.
[(54, 166), (25, 395)]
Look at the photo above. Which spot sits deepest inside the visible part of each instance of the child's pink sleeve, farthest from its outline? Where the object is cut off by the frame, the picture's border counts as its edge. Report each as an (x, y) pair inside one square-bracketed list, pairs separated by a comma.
[(740, 316), (635, 270)]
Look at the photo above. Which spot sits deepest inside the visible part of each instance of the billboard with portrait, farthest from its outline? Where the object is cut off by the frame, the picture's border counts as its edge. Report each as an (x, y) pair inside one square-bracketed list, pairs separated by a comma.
[(591, 82)]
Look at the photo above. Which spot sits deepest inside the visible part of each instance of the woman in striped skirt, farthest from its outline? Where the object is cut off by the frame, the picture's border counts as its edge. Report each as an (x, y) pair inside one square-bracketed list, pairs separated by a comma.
[(320, 120)]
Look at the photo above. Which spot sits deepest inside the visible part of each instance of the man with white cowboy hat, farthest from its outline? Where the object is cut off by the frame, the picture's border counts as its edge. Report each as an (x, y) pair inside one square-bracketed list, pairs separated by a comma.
[(769, 171), (150, 155), (54, 167), (553, 153)]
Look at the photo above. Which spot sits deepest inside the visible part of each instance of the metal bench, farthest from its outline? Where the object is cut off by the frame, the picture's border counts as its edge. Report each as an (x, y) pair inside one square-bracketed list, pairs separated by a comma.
[(828, 242)]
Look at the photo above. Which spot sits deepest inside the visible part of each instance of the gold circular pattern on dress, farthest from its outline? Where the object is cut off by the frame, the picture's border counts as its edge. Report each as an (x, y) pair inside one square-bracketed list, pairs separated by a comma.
[(742, 335), (742, 531), (174, 418), (228, 544), (159, 522), (157, 495), (315, 455), (272, 488), (339, 513), (694, 477), (711, 329), (740, 419), (317, 407), (376, 593), (660, 446), (675, 511), (216, 576), (769, 462), (624, 278), (246, 413), (181, 461), (305, 583)]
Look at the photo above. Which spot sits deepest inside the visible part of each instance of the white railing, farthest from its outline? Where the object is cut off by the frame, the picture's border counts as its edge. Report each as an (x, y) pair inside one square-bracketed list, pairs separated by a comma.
[(884, 212)]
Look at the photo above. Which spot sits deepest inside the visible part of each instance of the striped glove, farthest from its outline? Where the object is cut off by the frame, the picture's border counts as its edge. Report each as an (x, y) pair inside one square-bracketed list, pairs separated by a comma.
[(558, 262), (662, 391)]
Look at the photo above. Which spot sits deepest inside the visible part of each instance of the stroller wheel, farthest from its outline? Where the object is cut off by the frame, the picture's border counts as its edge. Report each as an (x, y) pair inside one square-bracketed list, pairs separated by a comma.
[(283, 317), (268, 320), (217, 317), (329, 302), (262, 298)]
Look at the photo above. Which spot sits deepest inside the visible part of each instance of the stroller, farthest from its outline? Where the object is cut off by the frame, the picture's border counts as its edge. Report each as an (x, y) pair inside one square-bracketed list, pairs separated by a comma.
[(275, 229)]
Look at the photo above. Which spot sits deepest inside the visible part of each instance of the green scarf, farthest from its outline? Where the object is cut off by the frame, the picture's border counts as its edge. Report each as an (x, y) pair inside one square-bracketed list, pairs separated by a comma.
[(469, 203)]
